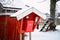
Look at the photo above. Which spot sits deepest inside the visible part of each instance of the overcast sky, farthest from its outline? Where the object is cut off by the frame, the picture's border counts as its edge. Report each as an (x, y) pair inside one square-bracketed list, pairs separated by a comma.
[(41, 5)]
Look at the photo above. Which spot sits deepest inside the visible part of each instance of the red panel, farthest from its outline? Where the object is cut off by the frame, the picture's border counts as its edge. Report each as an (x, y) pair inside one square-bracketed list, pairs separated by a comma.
[(12, 33), (29, 25), (3, 22), (8, 29), (19, 26)]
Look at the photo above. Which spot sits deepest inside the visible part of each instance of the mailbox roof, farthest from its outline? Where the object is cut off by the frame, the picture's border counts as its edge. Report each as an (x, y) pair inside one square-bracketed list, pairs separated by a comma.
[(20, 15)]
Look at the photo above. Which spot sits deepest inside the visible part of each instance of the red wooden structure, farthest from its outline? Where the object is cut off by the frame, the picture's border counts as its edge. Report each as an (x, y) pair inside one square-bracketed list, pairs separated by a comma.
[(28, 23), (28, 20), (10, 27)]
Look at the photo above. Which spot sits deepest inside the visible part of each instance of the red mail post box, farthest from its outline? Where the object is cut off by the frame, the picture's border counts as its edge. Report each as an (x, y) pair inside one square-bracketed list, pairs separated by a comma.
[(3, 22), (11, 31), (8, 29), (29, 23)]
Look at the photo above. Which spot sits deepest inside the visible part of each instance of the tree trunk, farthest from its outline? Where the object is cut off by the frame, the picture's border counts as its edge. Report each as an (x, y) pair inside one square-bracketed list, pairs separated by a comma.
[(52, 8)]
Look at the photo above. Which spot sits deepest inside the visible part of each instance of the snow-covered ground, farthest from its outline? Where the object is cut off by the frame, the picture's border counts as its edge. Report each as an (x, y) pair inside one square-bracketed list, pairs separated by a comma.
[(50, 35)]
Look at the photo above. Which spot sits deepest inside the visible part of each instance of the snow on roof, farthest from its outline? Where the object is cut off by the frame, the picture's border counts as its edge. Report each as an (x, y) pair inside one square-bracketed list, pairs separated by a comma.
[(20, 14), (20, 11), (12, 3)]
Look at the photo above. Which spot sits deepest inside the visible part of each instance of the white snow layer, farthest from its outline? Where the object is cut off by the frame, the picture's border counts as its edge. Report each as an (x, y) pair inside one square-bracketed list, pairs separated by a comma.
[(12, 3), (50, 35)]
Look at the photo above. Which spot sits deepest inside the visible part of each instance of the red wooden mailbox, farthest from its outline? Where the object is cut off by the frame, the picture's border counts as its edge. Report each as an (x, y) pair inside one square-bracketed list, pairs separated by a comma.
[(3, 20), (11, 31), (28, 20), (8, 29), (28, 23)]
